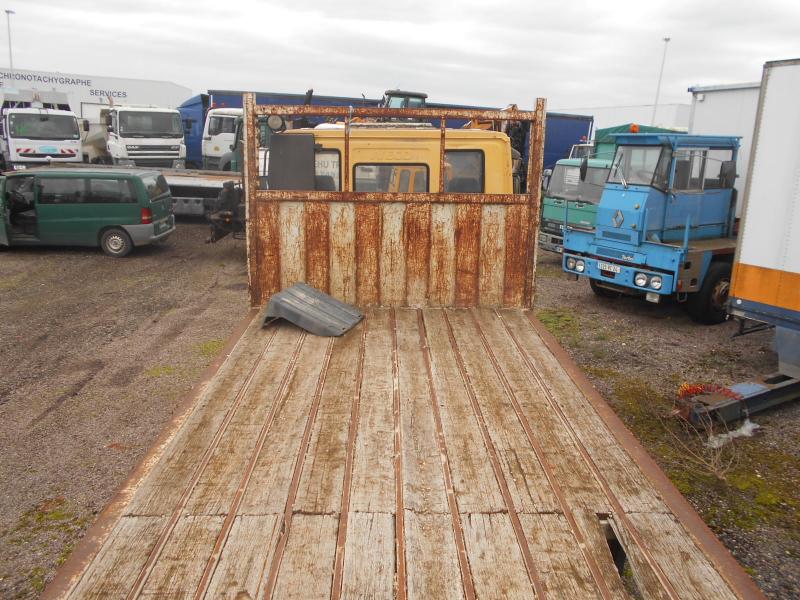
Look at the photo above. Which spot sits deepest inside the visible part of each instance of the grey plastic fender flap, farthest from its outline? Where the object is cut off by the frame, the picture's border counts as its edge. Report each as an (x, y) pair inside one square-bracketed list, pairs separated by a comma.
[(312, 310)]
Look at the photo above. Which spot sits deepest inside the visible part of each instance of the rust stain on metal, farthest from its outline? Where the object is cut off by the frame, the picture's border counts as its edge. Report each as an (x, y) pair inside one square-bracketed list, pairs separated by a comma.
[(468, 242), (368, 235), (417, 241), (317, 224), (405, 249)]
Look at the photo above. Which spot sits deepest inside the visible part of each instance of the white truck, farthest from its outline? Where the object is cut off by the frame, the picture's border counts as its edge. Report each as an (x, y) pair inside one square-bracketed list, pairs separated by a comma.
[(137, 136), (219, 134), (37, 128)]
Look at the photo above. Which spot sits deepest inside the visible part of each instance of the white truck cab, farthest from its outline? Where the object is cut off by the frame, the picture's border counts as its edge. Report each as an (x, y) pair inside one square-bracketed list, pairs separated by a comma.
[(219, 133), (140, 136), (37, 128)]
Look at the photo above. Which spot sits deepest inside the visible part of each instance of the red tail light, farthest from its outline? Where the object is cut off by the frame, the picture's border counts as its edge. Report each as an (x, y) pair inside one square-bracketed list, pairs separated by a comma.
[(147, 216)]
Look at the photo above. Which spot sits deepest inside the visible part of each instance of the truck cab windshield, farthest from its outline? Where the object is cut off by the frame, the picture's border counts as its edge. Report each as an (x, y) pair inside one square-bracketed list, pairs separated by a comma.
[(150, 124), (641, 165), (36, 126), (566, 184)]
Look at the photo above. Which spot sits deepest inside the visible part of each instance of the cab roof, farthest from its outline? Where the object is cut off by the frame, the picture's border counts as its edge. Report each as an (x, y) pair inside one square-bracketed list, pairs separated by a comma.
[(83, 171), (399, 132), (677, 140)]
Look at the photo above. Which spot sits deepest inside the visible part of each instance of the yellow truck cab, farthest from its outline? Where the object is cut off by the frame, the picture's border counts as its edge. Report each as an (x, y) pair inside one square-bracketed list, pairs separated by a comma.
[(392, 157)]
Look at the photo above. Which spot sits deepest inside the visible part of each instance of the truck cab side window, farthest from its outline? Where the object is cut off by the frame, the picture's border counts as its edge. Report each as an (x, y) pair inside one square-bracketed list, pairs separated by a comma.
[(689, 169), (464, 171)]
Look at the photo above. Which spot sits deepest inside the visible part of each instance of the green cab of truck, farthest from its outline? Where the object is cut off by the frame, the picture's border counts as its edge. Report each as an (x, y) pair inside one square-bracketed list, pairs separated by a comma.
[(116, 209), (568, 199)]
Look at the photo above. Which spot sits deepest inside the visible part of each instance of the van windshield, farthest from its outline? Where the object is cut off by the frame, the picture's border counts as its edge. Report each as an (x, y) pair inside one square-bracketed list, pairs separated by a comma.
[(35, 126), (566, 184), (150, 124)]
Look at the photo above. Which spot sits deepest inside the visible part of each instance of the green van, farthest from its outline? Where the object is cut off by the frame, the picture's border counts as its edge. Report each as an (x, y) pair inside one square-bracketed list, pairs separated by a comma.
[(116, 209)]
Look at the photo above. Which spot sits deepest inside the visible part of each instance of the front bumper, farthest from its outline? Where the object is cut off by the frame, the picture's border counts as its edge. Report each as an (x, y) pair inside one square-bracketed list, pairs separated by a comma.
[(625, 277), (551, 242), (151, 233)]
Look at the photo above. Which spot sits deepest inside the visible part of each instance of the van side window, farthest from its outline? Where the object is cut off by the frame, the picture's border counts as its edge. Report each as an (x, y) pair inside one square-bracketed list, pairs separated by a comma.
[(110, 191), (464, 171), (392, 178), (55, 190)]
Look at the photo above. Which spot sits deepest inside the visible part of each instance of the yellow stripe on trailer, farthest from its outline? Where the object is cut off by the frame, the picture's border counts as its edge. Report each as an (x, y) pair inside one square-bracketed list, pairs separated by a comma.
[(766, 286)]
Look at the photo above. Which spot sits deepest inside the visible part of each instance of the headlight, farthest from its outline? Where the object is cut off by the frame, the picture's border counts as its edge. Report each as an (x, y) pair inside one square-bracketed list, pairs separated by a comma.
[(640, 279), (571, 263), (655, 282), (580, 266)]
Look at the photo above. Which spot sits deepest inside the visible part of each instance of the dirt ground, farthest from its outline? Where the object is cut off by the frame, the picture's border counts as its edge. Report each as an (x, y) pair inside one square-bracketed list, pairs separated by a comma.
[(637, 355), (98, 353)]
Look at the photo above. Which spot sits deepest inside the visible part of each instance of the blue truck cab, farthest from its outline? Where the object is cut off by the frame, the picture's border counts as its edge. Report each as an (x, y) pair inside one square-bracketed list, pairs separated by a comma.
[(665, 223)]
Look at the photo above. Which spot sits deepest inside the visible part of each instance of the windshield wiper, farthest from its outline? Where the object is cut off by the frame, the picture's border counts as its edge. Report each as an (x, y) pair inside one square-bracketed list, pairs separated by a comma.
[(621, 173)]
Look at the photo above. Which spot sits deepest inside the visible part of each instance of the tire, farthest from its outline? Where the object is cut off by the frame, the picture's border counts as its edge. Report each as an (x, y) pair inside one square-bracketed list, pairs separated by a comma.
[(602, 292), (707, 305), (116, 243)]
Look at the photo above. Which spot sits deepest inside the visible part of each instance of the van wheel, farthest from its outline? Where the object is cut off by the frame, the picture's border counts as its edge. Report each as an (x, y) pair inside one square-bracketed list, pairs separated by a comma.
[(602, 292), (707, 305), (116, 243)]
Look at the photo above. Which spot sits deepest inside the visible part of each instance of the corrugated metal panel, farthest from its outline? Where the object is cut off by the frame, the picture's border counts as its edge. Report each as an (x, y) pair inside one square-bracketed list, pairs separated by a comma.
[(310, 309)]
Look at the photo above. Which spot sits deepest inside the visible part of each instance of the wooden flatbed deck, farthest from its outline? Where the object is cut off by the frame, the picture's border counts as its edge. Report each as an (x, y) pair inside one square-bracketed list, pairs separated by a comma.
[(426, 454)]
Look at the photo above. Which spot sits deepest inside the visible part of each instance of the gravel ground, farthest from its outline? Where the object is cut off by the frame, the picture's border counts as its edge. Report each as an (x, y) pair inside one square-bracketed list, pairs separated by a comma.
[(637, 355), (96, 354), (102, 350)]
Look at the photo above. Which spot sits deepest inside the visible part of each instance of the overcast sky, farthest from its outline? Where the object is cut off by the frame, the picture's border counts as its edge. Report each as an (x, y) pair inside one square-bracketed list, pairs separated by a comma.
[(487, 53)]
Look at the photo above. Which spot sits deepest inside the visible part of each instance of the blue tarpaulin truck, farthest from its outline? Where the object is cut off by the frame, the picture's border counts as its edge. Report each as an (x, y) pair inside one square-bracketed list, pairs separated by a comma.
[(665, 223)]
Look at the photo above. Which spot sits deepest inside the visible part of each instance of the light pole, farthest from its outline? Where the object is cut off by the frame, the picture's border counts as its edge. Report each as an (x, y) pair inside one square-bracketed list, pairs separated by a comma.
[(660, 75)]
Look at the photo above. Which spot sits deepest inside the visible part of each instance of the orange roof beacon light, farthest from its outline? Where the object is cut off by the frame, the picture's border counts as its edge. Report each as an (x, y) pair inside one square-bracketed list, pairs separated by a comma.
[(634, 128)]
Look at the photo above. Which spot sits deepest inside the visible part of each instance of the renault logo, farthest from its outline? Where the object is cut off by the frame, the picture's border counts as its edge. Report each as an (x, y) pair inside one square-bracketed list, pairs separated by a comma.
[(618, 218)]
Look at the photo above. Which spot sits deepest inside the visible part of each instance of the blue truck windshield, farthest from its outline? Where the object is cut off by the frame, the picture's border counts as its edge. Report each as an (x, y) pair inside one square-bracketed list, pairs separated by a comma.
[(565, 183), (641, 165)]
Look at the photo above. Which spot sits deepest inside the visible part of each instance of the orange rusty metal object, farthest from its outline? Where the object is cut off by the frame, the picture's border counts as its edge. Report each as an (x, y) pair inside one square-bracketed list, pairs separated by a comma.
[(395, 249)]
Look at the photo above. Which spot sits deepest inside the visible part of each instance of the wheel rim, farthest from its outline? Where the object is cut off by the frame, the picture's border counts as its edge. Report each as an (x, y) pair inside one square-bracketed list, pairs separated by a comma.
[(719, 295), (115, 243)]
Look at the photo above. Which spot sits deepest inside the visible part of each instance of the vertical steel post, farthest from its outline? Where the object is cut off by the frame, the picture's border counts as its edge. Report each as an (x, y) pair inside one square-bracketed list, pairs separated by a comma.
[(442, 127), (534, 189), (250, 179)]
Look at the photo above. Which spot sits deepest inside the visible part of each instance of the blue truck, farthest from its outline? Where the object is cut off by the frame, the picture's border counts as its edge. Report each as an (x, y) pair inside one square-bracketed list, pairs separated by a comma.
[(665, 223), (562, 130)]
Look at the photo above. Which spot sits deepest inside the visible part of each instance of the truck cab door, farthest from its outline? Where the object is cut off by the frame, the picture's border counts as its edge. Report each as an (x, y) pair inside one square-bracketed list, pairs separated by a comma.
[(3, 213)]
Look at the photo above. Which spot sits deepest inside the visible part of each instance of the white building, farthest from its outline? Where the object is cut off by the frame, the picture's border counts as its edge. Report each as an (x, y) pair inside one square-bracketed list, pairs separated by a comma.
[(727, 110), (669, 116), (88, 93)]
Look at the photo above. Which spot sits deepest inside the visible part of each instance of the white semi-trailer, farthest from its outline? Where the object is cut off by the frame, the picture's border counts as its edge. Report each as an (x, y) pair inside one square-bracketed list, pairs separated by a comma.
[(37, 128), (137, 136)]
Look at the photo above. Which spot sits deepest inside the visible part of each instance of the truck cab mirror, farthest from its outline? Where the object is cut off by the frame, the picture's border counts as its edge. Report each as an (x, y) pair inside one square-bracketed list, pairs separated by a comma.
[(584, 168), (546, 174), (110, 129), (727, 174), (109, 122), (85, 124)]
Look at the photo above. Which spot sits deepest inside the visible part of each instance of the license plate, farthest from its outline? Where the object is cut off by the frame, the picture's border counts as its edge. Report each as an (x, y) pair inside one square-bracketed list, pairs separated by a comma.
[(559, 249), (604, 266)]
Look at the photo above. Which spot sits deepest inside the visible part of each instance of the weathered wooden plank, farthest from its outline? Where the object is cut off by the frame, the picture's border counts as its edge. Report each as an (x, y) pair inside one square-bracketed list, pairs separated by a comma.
[(307, 568), (491, 265), (467, 253), (494, 557), (627, 482), (417, 241), (320, 487), (442, 278), (247, 552), (473, 479), (516, 236), (527, 481), (292, 231), (170, 475), (343, 251), (674, 549), (559, 559), (392, 256), (272, 472), (369, 556), (433, 570), (317, 226), (119, 561), (368, 244), (423, 481), (571, 472), (181, 564), (373, 472)]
